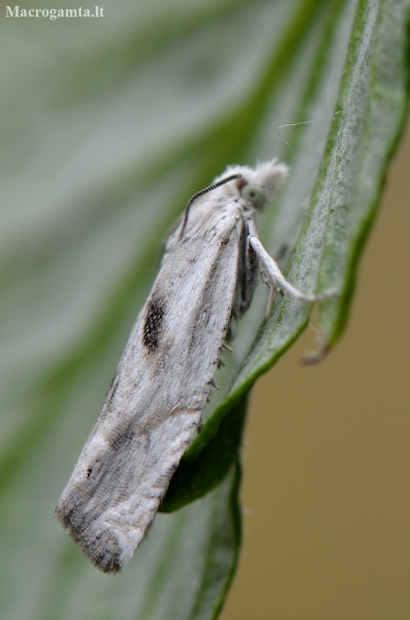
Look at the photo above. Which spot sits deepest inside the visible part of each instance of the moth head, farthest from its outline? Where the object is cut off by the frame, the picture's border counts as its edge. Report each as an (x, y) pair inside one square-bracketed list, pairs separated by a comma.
[(254, 194)]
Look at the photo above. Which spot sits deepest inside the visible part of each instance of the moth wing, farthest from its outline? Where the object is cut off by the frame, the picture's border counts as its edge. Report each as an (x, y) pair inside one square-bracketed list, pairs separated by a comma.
[(154, 405)]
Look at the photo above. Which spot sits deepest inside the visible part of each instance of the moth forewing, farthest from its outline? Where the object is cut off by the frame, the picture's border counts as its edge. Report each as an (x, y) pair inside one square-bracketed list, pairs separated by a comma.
[(153, 408)]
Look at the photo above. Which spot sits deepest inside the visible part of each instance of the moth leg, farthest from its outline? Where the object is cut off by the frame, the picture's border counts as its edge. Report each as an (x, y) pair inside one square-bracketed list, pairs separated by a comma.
[(274, 278), (249, 272)]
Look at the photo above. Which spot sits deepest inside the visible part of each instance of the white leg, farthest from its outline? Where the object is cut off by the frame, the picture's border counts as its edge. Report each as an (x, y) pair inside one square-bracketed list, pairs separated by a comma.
[(276, 279)]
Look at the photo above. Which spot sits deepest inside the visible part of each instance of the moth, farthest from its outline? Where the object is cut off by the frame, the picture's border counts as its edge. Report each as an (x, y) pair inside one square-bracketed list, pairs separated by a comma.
[(153, 408)]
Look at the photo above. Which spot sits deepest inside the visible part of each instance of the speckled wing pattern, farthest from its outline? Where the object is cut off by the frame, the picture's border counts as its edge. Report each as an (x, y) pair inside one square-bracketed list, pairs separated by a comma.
[(153, 408)]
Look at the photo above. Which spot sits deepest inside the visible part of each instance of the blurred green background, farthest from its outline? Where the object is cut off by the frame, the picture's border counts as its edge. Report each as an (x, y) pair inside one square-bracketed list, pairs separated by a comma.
[(107, 126)]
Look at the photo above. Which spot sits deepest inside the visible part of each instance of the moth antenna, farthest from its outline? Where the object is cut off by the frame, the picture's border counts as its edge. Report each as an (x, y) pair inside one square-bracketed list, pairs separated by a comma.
[(201, 193)]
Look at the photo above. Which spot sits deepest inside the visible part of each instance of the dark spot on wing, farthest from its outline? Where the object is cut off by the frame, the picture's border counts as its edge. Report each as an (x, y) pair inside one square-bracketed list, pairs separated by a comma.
[(121, 435), (113, 389), (153, 324)]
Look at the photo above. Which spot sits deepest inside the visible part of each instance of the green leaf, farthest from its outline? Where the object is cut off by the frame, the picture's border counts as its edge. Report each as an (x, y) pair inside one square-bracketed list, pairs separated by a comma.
[(110, 125), (370, 105)]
